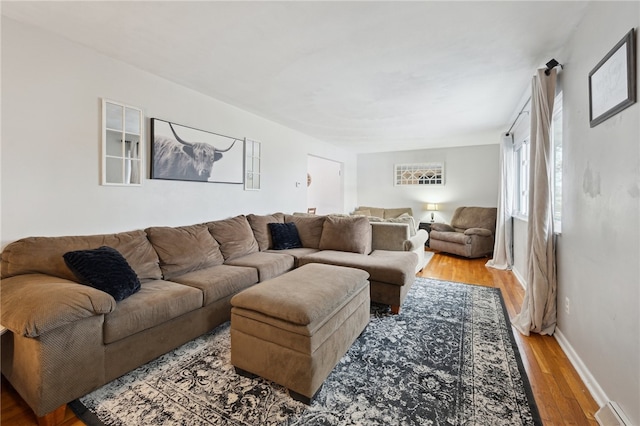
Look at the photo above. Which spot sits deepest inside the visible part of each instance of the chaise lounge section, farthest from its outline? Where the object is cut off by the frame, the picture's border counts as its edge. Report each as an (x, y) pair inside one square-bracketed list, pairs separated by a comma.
[(66, 339)]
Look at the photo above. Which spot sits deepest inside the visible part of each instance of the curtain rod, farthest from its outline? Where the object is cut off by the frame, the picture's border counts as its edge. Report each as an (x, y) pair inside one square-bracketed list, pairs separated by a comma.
[(550, 65), (518, 116)]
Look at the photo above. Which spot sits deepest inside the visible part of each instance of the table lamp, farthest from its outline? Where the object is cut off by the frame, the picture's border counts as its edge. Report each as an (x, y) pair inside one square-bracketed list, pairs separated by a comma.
[(432, 207)]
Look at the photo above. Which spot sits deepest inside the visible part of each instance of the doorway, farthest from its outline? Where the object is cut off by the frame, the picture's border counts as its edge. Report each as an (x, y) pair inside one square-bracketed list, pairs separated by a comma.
[(325, 189)]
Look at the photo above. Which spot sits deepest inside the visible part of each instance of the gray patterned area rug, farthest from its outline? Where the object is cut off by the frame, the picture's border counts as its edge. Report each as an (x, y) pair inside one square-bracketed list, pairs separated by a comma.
[(449, 358)]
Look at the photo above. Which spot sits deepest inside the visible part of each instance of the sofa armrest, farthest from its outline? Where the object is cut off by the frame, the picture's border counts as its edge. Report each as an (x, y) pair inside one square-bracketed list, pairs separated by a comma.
[(442, 227), (33, 304), (389, 236), (482, 232), (417, 241)]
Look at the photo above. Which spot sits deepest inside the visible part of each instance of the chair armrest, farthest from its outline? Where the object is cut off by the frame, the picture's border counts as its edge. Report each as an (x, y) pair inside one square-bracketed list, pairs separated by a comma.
[(482, 232), (389, 236), (416, 241), (33, 304), (442, 227)]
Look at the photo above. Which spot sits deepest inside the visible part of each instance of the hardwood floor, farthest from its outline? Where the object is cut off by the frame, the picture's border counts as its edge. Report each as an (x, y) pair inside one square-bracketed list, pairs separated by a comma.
[(561, 395)]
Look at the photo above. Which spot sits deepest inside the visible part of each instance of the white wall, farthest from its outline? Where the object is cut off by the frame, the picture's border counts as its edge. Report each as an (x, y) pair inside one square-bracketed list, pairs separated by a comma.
[(471, 179), (51, 92), (599, 249)]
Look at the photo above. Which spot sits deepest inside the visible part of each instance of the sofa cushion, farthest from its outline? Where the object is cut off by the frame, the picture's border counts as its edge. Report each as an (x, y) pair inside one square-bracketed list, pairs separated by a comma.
[(375, 211), (475, 217), (269, 265), (285, 236), (184, 249), (234, 236), (391, 267), (220, 281), (260, 228), (43, 255), (103, 268), (393, 213), (352, 234), (309, 228), (365, 212), (155, 303), (452, 237), (297, 253)]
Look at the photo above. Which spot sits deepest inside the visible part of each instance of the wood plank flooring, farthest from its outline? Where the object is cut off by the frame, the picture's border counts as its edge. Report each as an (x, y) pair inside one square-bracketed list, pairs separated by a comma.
[(562, 397)]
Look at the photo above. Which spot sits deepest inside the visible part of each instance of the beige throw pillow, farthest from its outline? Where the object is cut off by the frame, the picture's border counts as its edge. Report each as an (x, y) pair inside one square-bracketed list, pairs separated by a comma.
[(309, 228), (405, 218), (184, 249), (260, 227), (352, 234), (234, 236)]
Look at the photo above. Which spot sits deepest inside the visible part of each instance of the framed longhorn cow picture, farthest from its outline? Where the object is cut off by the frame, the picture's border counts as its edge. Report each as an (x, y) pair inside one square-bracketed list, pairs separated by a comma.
[(184, 153)]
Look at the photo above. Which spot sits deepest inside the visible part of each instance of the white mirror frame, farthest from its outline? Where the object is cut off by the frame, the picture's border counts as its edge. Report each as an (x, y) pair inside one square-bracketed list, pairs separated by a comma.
[(122, 165)]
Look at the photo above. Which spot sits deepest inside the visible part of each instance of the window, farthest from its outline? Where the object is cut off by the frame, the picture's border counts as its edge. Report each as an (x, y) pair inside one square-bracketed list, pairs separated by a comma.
[(419, 174), (522, 178), (556, 133)]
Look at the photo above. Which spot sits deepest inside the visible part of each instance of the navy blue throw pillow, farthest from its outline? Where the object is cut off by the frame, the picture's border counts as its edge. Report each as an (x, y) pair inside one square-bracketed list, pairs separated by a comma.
[(103, 268), (285, 236)]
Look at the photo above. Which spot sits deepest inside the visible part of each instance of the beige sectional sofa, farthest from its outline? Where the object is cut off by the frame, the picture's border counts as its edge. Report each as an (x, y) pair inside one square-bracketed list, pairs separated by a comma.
[(66, 339)]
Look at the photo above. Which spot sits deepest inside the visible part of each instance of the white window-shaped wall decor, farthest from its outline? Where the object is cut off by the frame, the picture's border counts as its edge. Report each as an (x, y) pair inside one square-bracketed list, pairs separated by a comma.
[(252, 166), (419, 174), (122, 146)]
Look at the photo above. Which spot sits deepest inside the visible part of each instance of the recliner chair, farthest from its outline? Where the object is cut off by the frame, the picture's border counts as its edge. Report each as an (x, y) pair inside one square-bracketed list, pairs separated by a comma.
[(471, 233)]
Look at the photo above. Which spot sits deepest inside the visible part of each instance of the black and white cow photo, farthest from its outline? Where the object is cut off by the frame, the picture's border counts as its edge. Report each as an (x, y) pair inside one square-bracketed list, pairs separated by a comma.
[(184, 153)]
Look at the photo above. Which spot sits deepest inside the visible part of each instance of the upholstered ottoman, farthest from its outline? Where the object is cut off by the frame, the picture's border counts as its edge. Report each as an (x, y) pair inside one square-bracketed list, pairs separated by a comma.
[(293, 329)]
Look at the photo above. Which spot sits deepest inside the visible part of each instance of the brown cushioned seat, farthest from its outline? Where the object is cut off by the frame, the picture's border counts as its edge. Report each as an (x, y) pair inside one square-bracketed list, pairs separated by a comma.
[(269, 265), (392, 273), (297, 253), (155, 303), (220, 281)]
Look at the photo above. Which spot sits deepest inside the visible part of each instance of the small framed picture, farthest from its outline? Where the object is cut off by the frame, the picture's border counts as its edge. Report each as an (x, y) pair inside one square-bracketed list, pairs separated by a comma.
[(612, 83)]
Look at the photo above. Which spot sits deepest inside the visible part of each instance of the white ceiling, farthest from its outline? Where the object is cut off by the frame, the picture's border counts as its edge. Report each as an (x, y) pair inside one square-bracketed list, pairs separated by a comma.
[(371, 76)]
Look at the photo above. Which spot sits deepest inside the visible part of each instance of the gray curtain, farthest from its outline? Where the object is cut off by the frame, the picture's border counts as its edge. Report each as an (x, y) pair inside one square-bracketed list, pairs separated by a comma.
[(538, 312), (502, 249)]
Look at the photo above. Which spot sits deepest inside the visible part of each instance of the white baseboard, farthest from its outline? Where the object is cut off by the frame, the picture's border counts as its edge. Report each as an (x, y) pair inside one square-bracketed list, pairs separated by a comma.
[(519, 277), (590, 382), (608, 409)]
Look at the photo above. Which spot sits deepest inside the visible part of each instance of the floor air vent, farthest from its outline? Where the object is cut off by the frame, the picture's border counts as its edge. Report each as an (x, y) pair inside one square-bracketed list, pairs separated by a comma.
[(612, 415)]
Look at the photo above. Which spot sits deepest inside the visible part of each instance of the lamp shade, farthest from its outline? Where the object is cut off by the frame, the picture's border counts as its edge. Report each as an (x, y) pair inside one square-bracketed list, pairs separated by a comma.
[(431, 207)]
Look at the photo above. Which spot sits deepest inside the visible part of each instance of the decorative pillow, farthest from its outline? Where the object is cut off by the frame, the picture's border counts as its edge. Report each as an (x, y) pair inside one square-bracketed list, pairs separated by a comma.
[(285, 236), (103, 268), (351, 234), (260, 228), (405, 218), (184, 249)]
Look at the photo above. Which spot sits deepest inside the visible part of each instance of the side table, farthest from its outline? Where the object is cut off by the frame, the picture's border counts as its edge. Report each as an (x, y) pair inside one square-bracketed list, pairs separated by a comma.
[(427, 227)]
